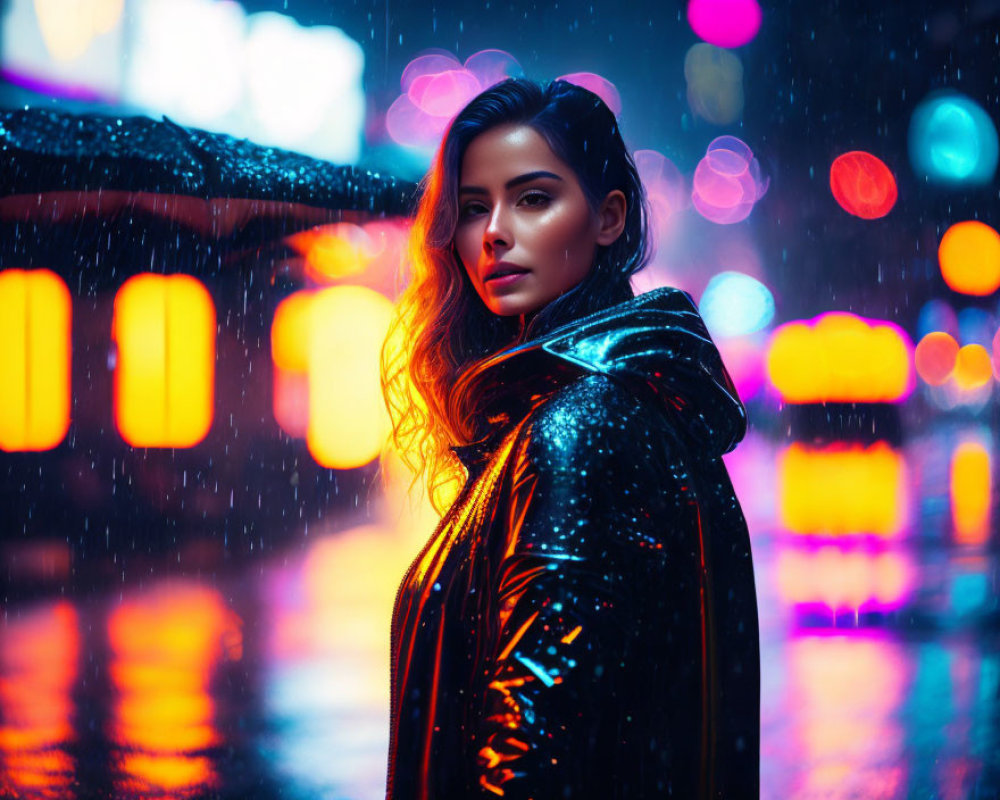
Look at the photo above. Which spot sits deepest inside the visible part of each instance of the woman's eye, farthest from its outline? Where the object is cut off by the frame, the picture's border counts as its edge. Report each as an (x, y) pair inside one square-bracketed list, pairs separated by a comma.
[(471, 209), (535, 199)]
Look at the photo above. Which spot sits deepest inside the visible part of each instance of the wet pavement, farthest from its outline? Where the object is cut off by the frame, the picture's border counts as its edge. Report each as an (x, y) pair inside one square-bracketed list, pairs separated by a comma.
[(269, 678)]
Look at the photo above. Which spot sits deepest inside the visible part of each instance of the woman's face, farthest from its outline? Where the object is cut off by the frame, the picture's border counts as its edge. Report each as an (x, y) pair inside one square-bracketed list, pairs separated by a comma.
[(522, 209)]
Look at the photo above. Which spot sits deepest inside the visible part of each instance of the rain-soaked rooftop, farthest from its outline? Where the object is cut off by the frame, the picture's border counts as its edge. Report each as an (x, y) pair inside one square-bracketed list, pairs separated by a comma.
[(204, 209)]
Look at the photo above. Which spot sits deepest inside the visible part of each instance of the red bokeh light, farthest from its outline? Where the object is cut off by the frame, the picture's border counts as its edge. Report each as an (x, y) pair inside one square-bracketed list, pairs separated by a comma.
[(863, 185), (934, 357)]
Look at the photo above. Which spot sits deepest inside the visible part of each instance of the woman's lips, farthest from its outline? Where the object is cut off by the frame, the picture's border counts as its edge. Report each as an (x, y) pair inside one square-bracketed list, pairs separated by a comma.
[(504, 280)]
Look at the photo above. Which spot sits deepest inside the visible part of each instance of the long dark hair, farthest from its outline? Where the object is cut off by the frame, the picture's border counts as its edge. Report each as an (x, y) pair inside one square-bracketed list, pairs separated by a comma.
[(441, 327)]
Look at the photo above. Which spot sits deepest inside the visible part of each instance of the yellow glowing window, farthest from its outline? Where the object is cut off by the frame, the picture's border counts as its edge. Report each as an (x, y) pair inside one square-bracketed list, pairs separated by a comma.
[(842, 490), (164, 330), (34, 360), (326, 347), (347, 418), (840, 357)]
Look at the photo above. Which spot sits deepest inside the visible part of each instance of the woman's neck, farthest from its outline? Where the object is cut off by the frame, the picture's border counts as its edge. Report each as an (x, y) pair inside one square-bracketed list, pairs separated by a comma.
[(523, 321)]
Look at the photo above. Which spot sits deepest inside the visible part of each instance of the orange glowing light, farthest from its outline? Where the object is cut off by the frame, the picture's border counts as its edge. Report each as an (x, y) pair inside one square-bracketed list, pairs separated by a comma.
[(840, 357), (969, 255), (841, 490), (165, 646), (164, 331), (35, 316), (348, 421), (166, 772), (970, 493), (841, 579), (862, 184), (334, 251), (39, 658), (934, 357), (290, 394), (973, 367), (290, 331)]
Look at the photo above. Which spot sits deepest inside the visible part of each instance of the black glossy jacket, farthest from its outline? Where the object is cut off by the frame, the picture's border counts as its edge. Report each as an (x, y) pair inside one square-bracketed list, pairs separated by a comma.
[(583, 621)]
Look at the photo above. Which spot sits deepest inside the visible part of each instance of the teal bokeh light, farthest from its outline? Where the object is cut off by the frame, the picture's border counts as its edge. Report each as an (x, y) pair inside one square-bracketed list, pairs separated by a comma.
[(953, 140), (735, 304)]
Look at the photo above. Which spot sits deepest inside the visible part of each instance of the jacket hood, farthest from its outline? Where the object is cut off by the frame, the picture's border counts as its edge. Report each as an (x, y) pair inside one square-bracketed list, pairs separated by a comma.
[(655, 343)]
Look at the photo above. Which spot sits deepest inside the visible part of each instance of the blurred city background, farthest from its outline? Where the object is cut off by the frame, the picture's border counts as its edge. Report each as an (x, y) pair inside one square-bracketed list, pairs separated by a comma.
[(198, 551)]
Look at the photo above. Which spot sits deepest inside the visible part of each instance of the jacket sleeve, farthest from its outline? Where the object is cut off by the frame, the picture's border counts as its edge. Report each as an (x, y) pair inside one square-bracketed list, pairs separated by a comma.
[(591, 492)]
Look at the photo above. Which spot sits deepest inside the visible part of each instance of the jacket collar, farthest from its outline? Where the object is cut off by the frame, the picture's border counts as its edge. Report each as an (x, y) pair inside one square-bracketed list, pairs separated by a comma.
[(656, 344)]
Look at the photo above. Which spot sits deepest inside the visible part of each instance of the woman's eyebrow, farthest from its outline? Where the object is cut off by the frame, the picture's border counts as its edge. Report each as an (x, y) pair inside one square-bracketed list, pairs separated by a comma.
[(525, 178)]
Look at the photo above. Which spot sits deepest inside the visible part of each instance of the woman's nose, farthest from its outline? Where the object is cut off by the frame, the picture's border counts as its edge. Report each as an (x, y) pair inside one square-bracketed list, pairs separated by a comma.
[(497, 232)]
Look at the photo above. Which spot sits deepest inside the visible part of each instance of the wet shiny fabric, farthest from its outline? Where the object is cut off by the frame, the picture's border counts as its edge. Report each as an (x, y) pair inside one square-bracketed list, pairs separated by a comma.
[(583, 621)]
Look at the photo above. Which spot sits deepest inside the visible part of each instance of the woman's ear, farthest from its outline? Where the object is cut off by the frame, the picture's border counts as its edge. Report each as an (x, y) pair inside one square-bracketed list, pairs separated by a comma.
[(611, 216)]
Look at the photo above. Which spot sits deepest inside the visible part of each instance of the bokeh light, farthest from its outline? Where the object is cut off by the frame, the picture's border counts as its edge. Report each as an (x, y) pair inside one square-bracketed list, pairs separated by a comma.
[(68, 29), (841, 579), (969, 255), (348, 421), (35, 320), (263, 75), (840, 357), (179, 44), (843, 702), (842, 490), (976, 326), (39, 666), (970, 483), (430, 62), (304, 82), (444, 93), (934, 357), (164, 334), (714, 79), (973, 367), (290, 332), (599, 85), (725, 23), (492, 66), (937, 315), (334, 251), (165, 646), (952, 140), (744, 360), (664, 185), (862, 184), (436, 86), (727, 181), (995, 356), (734, 304)]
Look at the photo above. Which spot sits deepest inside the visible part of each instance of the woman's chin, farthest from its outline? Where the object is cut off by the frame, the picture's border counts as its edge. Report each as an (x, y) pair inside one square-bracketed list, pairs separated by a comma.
[(511, 306)]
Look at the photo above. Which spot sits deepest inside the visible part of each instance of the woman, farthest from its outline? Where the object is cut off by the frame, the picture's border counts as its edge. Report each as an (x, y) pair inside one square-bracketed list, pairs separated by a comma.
[(582, 623)]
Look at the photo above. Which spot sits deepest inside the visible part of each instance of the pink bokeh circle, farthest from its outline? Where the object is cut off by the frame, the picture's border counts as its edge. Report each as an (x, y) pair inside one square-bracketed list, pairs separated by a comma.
[(725, 23)]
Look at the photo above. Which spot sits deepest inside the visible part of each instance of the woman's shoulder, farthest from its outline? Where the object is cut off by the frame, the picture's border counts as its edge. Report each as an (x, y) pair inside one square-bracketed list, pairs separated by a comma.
[(589, 419)]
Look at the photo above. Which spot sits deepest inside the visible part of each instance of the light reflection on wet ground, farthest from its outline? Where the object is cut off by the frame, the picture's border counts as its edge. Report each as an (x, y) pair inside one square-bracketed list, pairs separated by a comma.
[(880, 660)]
